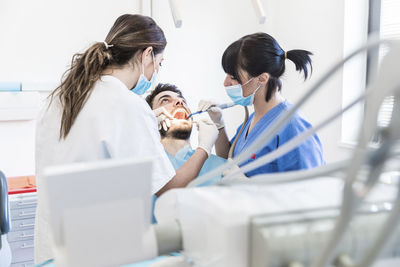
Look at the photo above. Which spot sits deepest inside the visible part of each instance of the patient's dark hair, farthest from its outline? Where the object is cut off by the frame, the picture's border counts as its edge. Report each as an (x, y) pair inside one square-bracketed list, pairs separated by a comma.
[(161, 87), (258, 53)]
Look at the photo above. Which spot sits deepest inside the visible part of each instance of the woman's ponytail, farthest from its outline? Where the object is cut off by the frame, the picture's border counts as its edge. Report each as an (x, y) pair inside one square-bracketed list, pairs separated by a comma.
[(78, 83), (301, 58)]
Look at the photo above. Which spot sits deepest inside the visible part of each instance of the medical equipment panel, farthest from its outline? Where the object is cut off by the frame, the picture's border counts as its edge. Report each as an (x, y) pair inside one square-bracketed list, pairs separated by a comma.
[(284, 239), (20, 237)]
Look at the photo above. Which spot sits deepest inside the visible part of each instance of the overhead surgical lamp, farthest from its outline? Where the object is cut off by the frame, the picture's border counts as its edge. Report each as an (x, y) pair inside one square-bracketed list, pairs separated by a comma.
[(259, 11), (176, 15)]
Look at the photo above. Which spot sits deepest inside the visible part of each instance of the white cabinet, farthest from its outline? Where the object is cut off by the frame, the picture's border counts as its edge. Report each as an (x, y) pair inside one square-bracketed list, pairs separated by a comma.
[(20, 237)]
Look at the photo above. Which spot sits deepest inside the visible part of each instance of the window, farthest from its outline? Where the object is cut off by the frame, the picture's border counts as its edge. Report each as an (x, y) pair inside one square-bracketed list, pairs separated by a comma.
[(382, 17), (389, 28)]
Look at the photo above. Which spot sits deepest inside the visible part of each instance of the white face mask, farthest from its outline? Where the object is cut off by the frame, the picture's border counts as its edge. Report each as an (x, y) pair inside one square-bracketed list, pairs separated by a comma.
[(235, 92), (143, 84)]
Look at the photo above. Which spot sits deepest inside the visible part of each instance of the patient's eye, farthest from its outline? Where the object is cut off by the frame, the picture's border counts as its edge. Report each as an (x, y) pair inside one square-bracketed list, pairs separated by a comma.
[(164, 100)]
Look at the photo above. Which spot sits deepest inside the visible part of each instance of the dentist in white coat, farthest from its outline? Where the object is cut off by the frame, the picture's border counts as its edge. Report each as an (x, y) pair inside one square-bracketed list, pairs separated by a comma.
[(94, 114)]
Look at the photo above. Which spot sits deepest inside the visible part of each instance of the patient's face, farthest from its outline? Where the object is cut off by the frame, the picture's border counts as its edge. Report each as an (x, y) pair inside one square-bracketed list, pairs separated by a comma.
[(176, 105)]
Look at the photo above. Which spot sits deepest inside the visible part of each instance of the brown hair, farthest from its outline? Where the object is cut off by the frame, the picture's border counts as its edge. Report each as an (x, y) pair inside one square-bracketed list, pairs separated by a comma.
[(129, 34)]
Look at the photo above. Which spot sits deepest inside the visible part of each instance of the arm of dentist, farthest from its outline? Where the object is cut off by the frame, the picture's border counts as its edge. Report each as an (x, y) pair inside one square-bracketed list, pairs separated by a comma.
[(190, 170)]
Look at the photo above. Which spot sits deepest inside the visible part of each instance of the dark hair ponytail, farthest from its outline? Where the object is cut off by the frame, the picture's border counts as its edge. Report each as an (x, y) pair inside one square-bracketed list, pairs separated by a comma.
[(260, 52), (300, 58), (129, 35)]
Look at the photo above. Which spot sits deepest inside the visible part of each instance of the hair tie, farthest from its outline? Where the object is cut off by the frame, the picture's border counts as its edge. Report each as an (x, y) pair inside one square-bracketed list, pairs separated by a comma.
[(107, 45), (285, 54)]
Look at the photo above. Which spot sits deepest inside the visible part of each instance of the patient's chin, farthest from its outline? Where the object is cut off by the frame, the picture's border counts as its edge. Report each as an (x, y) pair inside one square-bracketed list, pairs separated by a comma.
[(180, 131), (182, 125)]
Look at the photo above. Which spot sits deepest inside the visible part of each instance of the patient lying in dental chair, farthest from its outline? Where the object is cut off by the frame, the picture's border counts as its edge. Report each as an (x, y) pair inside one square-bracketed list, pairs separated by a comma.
[(175, 133), (175, 137)]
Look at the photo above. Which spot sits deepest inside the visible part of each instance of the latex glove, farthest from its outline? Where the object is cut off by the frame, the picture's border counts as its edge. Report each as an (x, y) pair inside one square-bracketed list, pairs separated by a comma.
[(239, 175), (208, 134), (163, 117), (214, 112)]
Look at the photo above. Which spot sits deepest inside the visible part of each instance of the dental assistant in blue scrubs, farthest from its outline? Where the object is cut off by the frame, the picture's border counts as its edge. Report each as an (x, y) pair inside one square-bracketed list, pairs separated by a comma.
[(254, 65)]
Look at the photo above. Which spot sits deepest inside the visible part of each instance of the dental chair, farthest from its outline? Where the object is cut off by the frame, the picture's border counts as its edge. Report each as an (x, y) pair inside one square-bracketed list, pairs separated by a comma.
[(5, 251)]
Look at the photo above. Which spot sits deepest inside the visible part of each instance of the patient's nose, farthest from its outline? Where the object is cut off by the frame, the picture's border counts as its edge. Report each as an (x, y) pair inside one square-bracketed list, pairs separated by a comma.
[(178, 102)]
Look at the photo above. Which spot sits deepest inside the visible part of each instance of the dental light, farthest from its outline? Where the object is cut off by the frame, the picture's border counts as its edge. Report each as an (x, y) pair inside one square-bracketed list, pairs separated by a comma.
[(258, 8), (176, 15)]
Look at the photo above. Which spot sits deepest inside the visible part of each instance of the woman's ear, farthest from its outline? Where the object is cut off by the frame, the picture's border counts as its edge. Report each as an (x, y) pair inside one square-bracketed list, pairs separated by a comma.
[(263, 78), (147, 56)]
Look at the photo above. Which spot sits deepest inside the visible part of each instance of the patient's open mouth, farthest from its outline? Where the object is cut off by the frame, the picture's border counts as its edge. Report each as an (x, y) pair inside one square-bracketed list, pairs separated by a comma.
[(180, 114)]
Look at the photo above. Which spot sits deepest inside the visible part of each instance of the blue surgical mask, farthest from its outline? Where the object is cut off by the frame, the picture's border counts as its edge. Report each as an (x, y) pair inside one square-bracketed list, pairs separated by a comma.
[(143, 84), (235, 92)]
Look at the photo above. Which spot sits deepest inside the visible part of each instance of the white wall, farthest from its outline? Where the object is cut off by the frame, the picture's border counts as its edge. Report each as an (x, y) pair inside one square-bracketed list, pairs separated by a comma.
[(37, 41), (41, 36)]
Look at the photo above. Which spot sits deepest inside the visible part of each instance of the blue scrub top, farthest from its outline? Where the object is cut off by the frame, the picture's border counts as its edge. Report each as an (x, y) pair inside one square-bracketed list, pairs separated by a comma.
[(308, 155)]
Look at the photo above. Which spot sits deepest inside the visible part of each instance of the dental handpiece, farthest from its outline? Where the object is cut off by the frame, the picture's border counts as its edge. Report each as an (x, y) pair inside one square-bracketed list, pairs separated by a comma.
[(221, 106)]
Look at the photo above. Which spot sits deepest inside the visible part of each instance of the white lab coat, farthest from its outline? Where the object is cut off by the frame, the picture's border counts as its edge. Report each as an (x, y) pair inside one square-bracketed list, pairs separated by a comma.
[(114, 123)]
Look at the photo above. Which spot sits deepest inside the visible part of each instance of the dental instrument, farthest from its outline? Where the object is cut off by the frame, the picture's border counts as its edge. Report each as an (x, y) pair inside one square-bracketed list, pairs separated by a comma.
[(221, 106), (176, 14)]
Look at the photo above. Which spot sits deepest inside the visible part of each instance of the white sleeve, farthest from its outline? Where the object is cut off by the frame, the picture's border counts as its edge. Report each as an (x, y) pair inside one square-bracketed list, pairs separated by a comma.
[(135, 134), (163, 171)]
